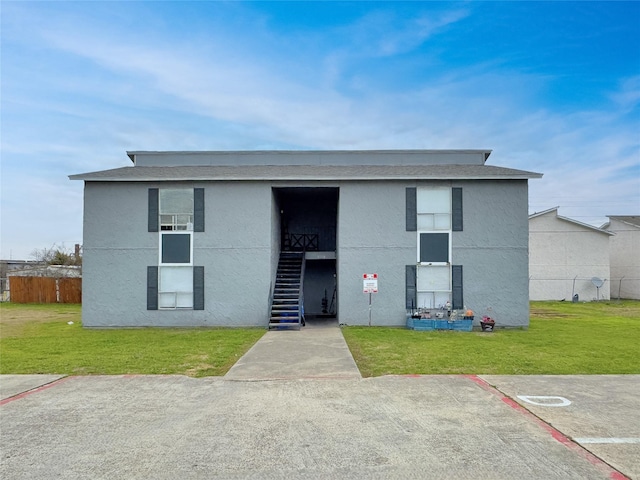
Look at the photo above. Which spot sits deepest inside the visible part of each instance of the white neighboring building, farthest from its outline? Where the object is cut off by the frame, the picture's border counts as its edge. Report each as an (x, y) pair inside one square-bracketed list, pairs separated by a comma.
[(564, 256), (624, 249)]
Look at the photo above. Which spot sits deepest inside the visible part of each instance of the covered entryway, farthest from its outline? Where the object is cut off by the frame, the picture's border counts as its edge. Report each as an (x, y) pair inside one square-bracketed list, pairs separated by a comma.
[(308, 223)]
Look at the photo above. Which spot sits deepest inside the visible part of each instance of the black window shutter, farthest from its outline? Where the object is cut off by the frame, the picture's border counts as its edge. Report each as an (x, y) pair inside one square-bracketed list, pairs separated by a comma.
[(154, 204), (198, 209), (411, 290), (411, 208), (198, 288), (456, 285), (152, 288), (456, 209)]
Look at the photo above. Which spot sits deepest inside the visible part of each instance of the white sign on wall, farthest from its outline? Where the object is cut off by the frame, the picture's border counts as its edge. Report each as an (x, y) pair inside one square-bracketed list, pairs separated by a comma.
[(369, 283)]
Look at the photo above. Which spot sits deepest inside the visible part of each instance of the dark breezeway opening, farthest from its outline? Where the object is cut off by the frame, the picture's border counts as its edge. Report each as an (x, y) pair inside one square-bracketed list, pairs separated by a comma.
[(308, 224)]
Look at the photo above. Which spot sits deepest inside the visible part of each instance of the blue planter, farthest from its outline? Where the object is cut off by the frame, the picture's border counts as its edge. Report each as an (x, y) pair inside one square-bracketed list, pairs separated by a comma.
[(421, 324), (462, 325)]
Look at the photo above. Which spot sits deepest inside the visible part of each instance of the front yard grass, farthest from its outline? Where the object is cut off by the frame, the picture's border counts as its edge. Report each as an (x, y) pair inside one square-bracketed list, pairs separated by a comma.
[(39, 339), (563, 338)]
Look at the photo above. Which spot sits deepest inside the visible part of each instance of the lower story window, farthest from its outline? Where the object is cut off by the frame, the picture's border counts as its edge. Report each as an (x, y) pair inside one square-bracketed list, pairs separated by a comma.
[(433, 285), (175, 287)]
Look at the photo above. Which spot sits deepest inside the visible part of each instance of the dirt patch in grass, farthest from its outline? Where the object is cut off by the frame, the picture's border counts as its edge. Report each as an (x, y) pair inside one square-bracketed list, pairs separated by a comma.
[(584, 310), (541, 313), (15, 318), (198, 365)]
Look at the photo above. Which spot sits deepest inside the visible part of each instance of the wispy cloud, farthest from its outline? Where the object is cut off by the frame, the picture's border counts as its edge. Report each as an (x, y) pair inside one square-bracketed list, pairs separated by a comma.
[(383, 33), (628, 96), (228, 88)]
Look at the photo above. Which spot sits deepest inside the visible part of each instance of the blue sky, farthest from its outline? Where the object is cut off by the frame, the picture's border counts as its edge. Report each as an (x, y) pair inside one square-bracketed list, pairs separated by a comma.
[(550, 87)]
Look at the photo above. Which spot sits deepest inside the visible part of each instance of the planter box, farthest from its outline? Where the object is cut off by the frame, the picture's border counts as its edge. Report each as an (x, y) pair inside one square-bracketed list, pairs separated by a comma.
[(462, 325), (425, 324), (442, 324), (420, 324)]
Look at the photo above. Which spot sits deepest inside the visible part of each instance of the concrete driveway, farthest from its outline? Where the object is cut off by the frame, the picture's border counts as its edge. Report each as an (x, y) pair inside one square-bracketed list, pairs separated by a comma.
[(450, 427)]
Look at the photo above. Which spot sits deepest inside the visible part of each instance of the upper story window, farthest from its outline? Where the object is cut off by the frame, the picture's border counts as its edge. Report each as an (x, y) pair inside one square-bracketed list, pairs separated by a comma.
[(176, 209), (433, 207)]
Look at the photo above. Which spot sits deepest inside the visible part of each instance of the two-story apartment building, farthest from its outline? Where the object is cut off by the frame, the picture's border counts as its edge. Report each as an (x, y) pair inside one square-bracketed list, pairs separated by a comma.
[(239, 238)]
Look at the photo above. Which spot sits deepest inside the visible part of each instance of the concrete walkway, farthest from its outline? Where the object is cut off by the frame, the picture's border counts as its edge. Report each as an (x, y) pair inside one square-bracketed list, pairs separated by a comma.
[(315, 351)]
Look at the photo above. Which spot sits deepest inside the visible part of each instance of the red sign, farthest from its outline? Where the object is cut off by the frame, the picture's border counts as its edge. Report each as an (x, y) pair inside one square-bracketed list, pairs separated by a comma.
[(369, 283)]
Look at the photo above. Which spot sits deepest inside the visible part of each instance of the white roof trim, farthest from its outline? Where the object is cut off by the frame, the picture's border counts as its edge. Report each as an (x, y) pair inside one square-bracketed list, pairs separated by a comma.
[(570, 220)]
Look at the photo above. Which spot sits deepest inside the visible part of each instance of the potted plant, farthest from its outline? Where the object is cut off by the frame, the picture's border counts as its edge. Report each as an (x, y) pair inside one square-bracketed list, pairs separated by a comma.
[(487, 323)]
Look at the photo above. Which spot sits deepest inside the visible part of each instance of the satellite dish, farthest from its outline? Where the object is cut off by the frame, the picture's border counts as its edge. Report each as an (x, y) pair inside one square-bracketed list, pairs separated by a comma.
[(597, 282)]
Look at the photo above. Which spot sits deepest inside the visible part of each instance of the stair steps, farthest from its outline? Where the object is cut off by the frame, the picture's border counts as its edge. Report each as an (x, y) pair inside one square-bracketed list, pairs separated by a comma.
[(285, 305)]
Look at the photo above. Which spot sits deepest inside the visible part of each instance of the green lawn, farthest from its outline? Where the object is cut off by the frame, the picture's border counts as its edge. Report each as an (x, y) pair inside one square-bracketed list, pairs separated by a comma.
[(563, 338), (39, 339)]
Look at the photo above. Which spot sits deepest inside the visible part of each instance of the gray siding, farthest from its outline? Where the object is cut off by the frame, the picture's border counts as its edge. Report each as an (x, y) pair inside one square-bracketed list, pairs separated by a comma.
[(234, 250), (240, 245), (300, 157), (493, 250), (372, 238)]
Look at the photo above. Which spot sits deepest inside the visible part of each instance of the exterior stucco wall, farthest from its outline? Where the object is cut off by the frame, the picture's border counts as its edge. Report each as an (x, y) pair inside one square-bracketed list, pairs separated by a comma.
[(240, 245), (493, 250), (116, 252), (561, 251), (235, 250), (625, 260), (372, 238)]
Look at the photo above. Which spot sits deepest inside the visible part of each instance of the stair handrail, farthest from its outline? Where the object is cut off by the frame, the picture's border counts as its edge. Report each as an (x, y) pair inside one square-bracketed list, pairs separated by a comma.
[(301, 294), (272, 289)]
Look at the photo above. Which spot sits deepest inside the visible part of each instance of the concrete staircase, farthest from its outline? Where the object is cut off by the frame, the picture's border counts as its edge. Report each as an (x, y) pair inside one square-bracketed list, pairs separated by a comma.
[(287, 302)]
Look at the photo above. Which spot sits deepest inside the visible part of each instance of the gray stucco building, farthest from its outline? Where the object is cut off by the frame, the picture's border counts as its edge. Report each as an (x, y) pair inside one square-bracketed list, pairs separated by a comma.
[(222, 238)]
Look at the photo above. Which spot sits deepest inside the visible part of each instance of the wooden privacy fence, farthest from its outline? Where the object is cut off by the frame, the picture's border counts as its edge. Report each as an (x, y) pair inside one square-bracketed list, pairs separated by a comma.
[(45, 290)]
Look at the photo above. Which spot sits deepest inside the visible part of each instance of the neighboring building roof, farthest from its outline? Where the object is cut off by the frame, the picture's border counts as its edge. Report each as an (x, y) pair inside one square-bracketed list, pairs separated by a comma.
[(20, 264), (569, 220), (633, 220), (48, 271), (308, 157), (306, 172)]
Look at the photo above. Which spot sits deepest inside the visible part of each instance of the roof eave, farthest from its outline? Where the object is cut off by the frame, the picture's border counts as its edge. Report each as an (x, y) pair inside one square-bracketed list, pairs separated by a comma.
[(300, 178)]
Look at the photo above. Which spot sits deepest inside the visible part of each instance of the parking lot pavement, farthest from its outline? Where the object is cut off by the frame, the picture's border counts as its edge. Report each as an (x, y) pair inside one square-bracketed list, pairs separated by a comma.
[(11, 385), (450, 427), (599, 412)]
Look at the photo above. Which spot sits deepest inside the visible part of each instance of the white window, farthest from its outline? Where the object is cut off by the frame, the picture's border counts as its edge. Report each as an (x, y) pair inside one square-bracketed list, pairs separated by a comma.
[(176, 209), (175, 288), (434, 208), (434, 246), (433, 285)]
